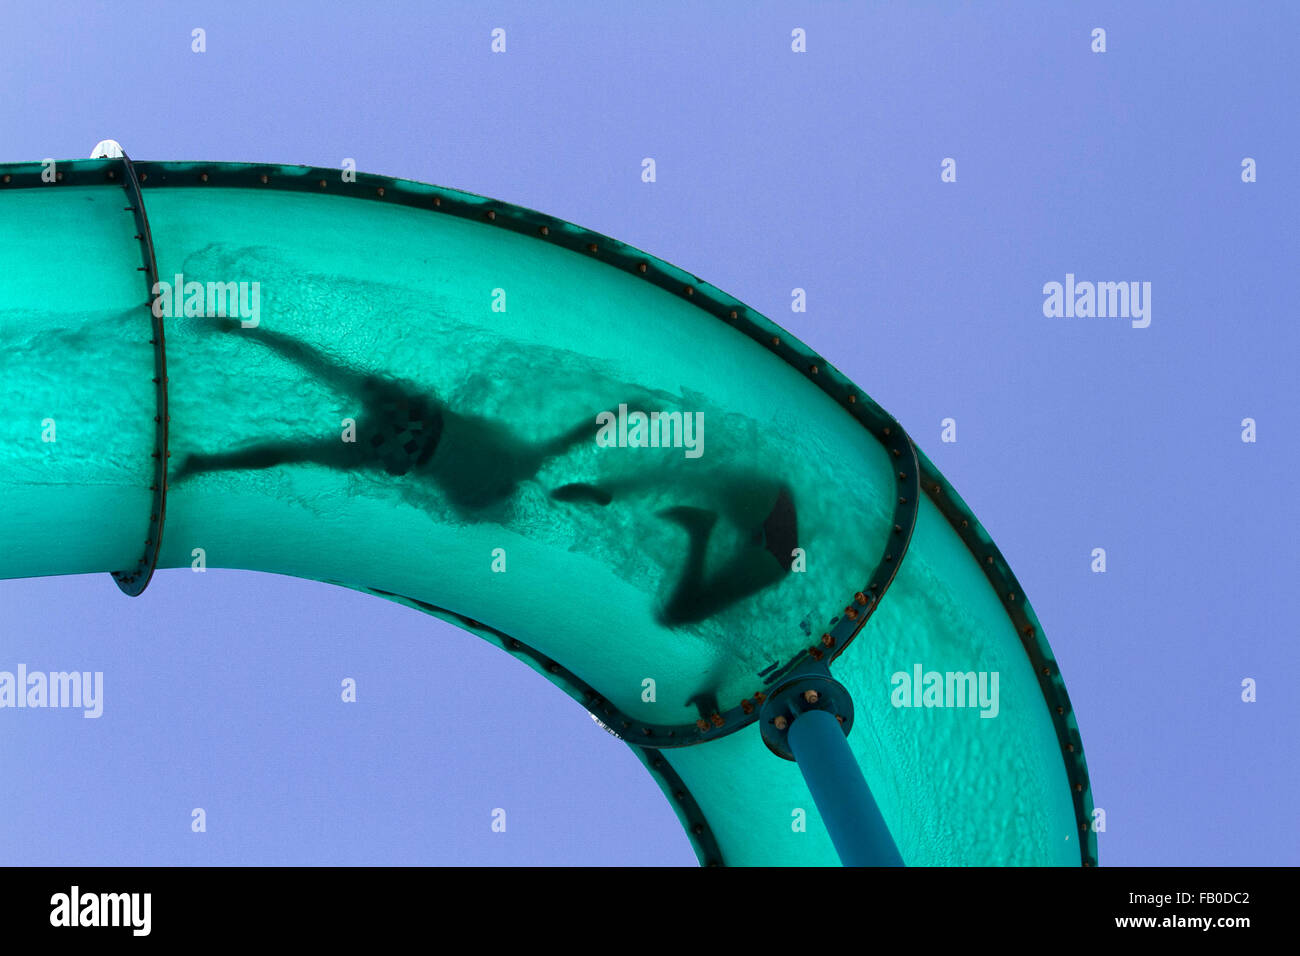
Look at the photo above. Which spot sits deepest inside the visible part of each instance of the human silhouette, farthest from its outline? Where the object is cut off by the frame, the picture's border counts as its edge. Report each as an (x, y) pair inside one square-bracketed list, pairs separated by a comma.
[(478, 462), (762, 509)]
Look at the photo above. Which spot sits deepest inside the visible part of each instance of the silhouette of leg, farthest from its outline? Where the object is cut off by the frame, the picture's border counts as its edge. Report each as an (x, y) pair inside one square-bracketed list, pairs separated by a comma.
[(698, 524), (340, 455), (763, 561)]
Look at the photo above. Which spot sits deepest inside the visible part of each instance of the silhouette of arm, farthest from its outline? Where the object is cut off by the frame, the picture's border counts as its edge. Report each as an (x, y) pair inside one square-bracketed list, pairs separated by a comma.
[(310, 359)]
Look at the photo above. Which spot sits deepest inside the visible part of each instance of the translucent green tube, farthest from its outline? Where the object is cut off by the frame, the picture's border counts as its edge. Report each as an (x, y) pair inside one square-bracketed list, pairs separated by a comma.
[(435, 398)]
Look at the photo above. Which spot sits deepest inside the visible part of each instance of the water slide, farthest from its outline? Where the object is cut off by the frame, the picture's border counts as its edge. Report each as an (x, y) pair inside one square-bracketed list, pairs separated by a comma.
[(651, 494)]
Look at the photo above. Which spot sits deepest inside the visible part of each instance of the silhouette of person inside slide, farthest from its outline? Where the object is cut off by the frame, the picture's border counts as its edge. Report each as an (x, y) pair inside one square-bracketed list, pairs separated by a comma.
[(478, 462), (760, 509)]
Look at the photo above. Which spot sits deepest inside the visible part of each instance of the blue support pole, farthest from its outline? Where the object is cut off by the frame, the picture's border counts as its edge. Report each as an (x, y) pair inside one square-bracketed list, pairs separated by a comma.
[(840, 791)]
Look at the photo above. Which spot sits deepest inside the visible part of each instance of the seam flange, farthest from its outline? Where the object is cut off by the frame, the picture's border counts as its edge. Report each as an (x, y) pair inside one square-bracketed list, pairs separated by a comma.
[(134, 581)]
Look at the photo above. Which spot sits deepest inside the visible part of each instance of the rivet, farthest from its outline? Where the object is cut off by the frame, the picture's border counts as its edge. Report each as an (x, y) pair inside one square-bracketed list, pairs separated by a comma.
[(828, 641), (1060, 710), (379, 191), (263, 177), (902, 501), (8, 177), (851, 613), (322, 184), (690, 290), (1047, 672), (437, 200), (965, 523), (591, 247), (143, 177), (112, 174), (839, 718), (1011, 596), (814, 369), (717, 719), (59, 176), (492, 214), (776, 340), (860, 598), (1070, 747), (641, 267), (747, 706), (697, 829), (204, 177), (1078, 788), (815, 653), (902, 476), (702, 724), (780, 723), (545, 230), (733, 315), (898, 529), (989, 559), (811, 697)]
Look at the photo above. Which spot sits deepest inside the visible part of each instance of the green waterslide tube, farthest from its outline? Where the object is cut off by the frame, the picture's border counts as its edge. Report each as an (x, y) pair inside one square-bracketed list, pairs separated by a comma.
[(651, 494)]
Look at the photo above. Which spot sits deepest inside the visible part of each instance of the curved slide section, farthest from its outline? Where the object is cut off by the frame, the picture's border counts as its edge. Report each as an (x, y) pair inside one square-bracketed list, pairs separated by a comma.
[(653, 495)]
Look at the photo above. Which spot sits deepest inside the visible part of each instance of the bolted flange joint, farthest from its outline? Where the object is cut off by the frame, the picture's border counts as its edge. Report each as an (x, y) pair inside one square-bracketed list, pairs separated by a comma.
[(800, 693)]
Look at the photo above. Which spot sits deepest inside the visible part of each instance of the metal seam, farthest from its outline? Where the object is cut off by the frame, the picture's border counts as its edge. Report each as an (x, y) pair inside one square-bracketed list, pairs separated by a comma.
[(135, 581)]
